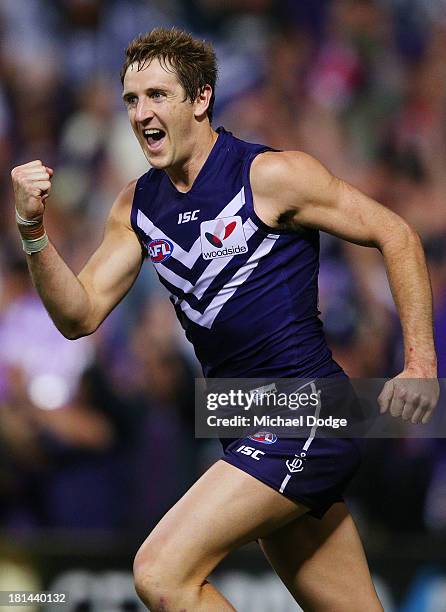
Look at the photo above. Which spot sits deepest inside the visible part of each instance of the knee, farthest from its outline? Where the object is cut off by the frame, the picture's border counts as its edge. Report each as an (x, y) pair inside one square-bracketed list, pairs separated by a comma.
[(149, 576), (156, 582)]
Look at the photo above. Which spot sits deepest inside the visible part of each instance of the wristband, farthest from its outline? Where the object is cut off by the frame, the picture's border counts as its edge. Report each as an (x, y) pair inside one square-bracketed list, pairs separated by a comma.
[(34, 237), (35, 245), (26, 222)]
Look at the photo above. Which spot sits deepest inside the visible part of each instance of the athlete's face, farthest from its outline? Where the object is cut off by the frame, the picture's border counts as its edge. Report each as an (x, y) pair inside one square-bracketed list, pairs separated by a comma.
[(161, 117)]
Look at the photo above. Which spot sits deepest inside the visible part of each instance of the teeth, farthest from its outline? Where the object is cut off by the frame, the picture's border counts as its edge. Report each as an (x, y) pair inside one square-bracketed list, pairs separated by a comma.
[(151, 132)]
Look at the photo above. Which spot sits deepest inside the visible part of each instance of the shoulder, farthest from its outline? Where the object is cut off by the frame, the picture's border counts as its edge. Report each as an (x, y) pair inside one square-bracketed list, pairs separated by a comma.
[(273, 170), (291, 178), (128, 191), (121, 209)]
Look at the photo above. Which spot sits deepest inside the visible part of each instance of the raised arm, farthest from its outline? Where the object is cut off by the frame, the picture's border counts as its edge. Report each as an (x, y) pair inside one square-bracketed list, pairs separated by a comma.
[(293, 189), (77, 304)]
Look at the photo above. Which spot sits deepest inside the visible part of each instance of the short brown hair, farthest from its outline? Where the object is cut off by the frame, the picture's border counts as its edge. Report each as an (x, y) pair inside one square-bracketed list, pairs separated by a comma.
[(193, 60)]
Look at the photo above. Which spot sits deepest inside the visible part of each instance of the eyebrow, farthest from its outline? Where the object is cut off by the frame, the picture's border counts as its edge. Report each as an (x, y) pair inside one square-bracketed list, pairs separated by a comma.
[(149, 90)]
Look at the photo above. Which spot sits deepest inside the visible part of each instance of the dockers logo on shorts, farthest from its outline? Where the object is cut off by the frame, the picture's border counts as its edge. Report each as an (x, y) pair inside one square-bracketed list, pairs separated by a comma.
[(160, 250), (265, 437), (296, 464), (222, 238)]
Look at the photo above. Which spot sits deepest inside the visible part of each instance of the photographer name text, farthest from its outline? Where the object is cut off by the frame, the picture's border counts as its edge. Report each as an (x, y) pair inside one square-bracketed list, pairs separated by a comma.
[(275, 421)]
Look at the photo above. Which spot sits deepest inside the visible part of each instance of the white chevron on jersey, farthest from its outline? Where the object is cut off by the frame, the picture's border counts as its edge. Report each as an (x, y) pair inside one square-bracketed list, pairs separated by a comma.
[(208, 317), (188, 258), (214, 268)]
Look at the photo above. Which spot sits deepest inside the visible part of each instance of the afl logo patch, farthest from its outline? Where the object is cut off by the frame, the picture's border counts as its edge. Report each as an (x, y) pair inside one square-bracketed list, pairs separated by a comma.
[(160, 250), (265, 437)]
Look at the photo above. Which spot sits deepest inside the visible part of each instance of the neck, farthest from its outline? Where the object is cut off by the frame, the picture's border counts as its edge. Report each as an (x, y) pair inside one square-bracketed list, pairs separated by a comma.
[(184, 176)]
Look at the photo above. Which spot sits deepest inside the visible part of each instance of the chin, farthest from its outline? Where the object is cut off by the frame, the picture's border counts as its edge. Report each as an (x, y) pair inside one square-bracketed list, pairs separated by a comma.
[(158, 162)]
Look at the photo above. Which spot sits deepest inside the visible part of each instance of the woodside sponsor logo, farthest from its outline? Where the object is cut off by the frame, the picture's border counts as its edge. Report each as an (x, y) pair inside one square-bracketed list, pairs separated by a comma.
[(222, 238)]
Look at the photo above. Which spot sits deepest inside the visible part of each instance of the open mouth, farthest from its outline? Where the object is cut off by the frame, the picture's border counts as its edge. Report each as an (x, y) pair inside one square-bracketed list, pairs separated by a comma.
[(154, 137)]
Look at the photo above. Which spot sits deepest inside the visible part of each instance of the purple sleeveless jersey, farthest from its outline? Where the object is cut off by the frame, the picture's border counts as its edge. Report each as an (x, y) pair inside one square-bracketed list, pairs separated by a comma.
[(246, 294), (247, 297)]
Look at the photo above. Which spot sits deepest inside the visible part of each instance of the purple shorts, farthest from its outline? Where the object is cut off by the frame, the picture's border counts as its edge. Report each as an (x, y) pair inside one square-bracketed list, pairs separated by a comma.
[(312, 471)]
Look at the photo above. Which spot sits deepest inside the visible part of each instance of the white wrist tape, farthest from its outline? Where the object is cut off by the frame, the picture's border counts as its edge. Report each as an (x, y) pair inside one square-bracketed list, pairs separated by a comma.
[(21, 221), (34, 238), (36, 245)]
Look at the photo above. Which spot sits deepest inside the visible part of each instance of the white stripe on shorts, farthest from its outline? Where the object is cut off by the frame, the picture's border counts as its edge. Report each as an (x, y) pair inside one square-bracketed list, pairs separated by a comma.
[(309, 440)]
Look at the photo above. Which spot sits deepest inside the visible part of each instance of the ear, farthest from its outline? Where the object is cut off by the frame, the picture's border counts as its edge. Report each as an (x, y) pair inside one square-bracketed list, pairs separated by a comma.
[(201, 103)]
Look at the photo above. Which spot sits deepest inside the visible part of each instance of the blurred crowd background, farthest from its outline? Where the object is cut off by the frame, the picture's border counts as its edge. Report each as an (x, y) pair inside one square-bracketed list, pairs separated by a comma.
[(98, 434)]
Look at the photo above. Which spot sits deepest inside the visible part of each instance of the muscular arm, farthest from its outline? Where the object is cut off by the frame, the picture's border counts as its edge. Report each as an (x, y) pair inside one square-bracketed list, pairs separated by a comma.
[(296, 190), (79, 304)]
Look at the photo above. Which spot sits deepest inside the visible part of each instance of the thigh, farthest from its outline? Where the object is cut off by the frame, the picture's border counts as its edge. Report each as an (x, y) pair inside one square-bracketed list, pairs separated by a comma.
[(322, 563), (224, 509)]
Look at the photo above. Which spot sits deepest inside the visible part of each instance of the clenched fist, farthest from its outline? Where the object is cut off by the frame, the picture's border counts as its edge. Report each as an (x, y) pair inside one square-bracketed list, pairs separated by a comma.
[(31, 183), (410, 397)]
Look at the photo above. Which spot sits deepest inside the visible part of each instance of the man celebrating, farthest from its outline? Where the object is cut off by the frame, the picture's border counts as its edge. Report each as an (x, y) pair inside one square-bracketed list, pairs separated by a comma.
[(232, 230)]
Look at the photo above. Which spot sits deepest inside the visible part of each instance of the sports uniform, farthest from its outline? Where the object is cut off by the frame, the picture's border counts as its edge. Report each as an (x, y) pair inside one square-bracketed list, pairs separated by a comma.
[(246, 295)]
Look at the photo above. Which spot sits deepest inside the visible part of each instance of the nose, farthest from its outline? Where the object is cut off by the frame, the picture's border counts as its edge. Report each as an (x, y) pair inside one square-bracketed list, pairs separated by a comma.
[(143, 110)]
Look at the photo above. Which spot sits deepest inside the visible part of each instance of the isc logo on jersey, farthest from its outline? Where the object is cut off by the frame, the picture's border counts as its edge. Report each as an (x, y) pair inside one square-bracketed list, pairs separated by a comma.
[(160, 250), (222, 238)]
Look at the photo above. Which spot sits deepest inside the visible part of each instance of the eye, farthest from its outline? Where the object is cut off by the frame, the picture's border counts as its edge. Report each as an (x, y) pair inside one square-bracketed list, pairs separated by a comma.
[(157, 95), (131, 100)]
